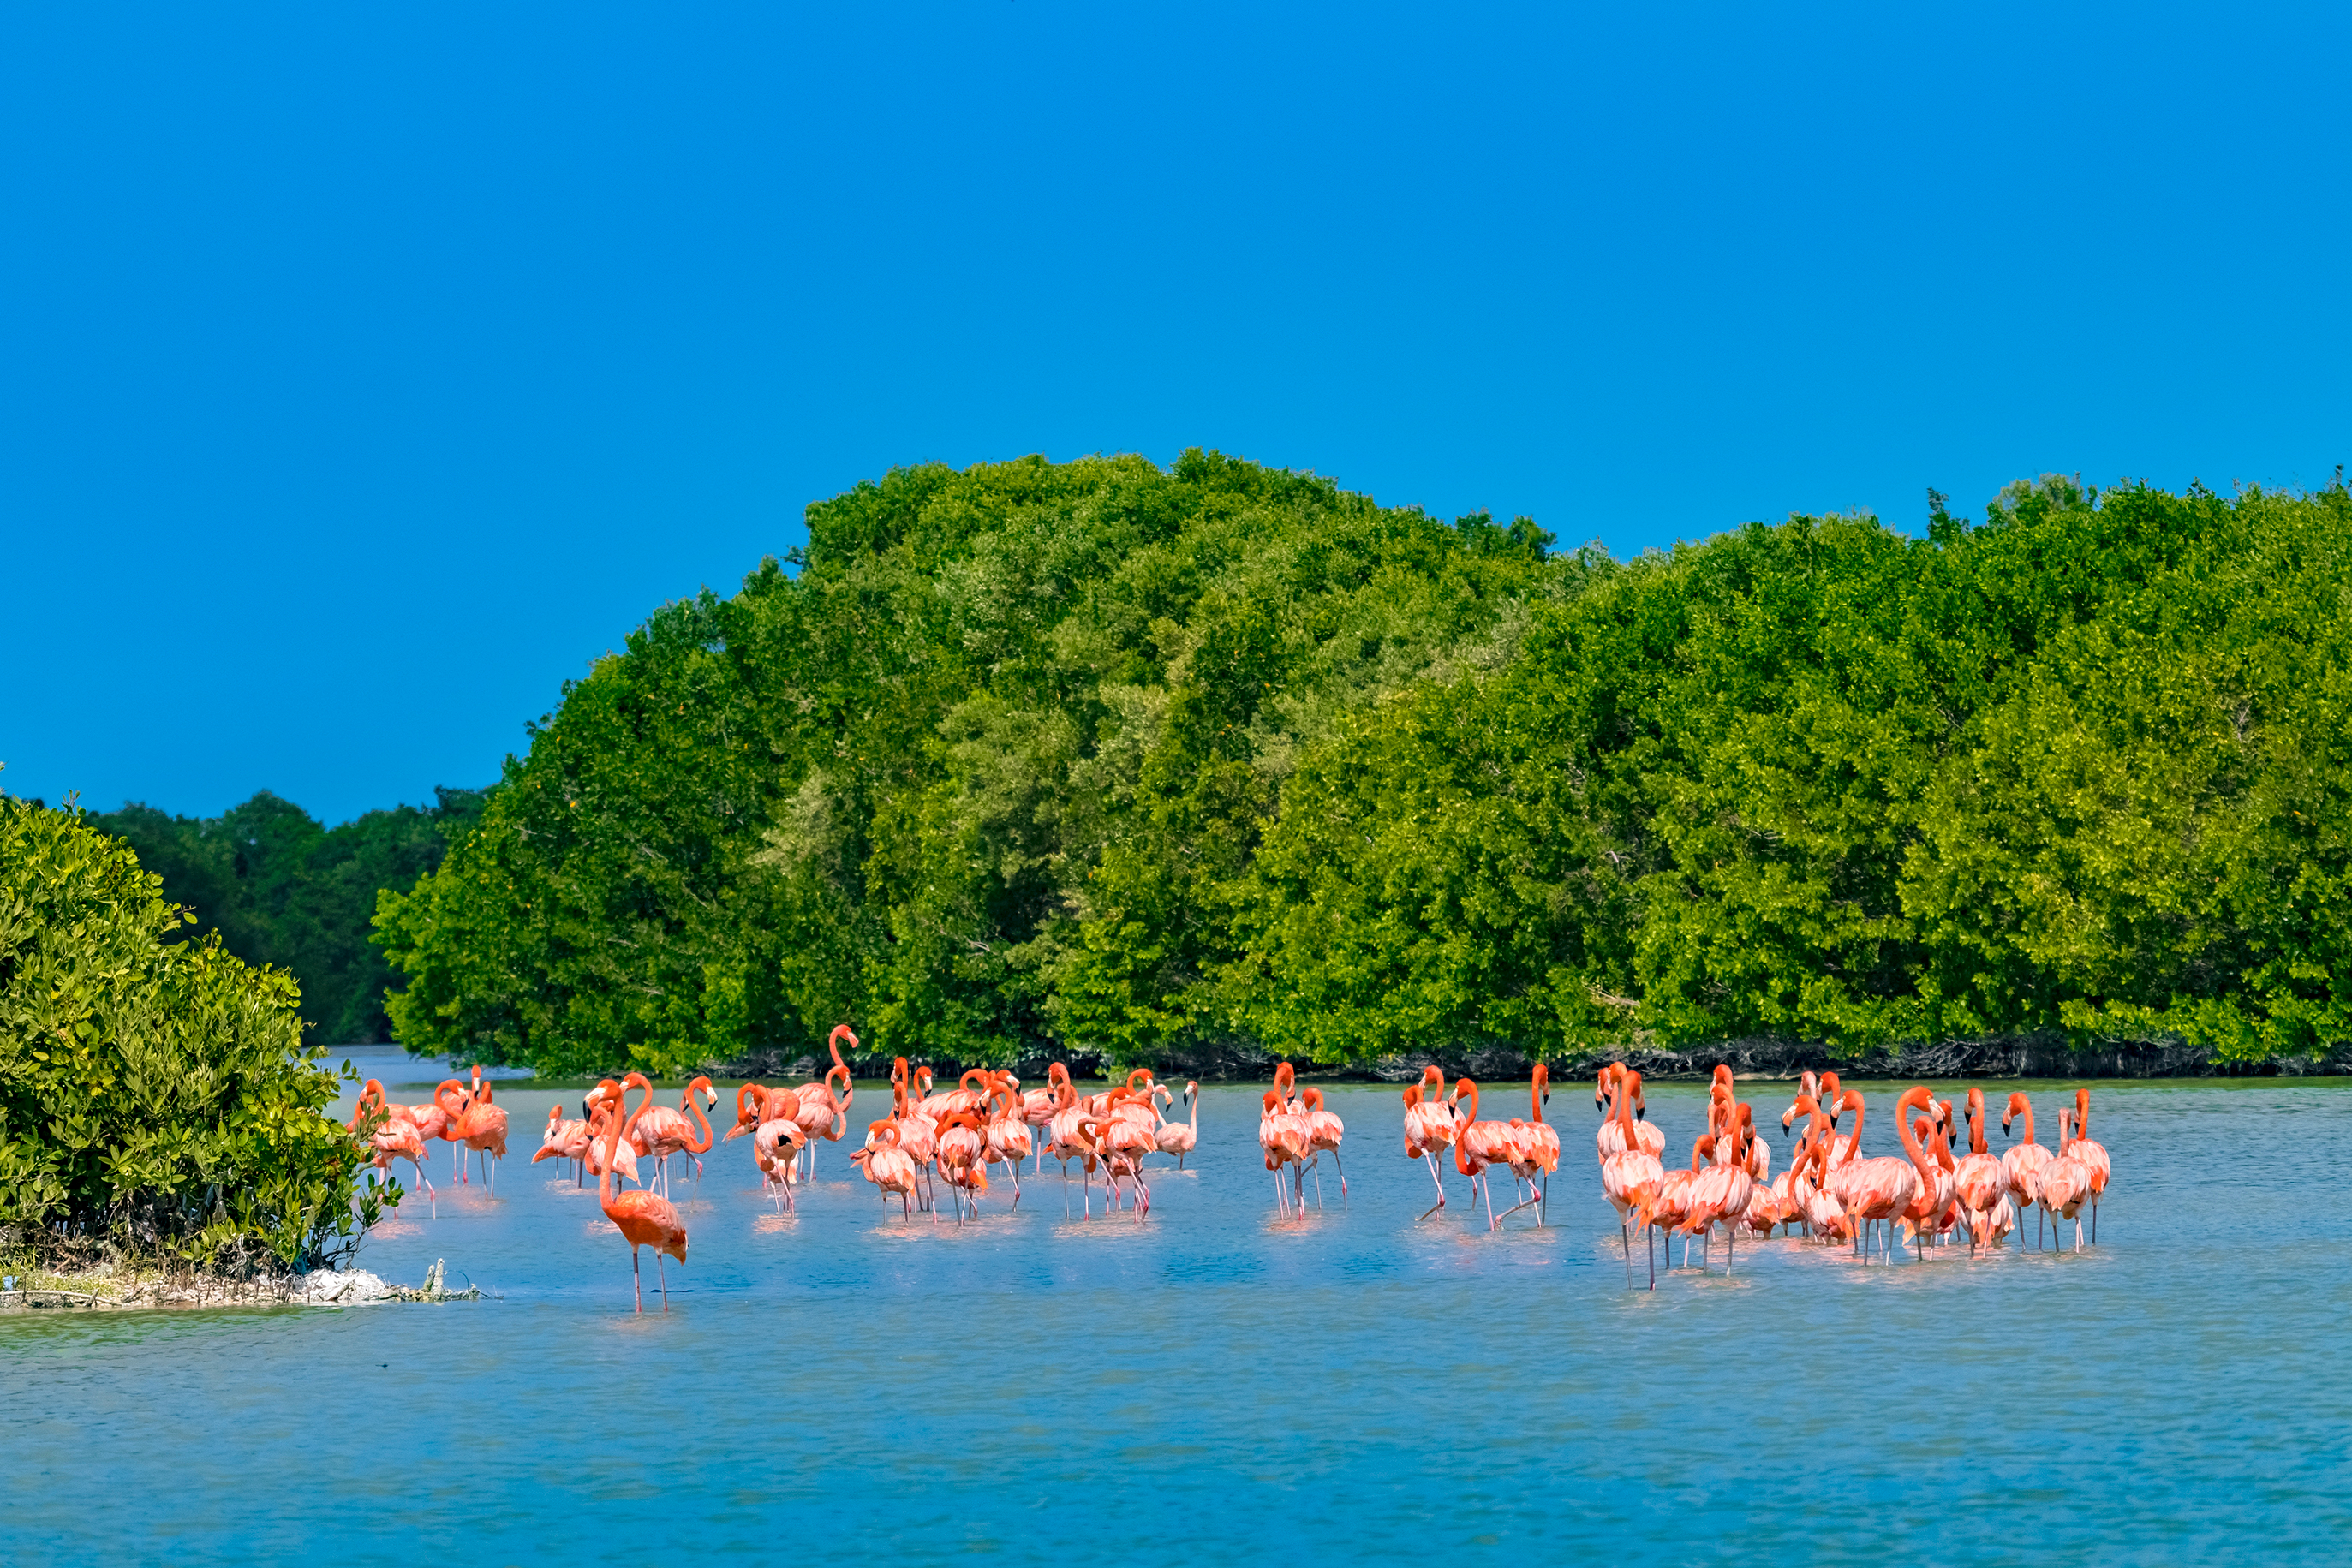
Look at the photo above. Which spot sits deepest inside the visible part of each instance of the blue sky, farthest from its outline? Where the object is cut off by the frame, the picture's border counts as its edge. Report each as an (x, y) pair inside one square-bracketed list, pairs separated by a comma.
[(365, 372)]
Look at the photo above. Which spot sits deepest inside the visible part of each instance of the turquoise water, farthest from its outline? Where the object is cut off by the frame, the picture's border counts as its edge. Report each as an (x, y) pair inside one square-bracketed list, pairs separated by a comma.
[(1219, 1384)]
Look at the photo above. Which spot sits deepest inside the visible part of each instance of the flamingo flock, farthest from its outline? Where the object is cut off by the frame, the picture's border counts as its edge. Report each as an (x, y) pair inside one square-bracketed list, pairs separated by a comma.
[(1829, 1193)]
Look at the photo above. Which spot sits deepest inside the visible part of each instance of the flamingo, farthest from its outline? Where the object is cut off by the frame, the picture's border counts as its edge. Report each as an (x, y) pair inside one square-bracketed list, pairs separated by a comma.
[(1632, 1177), (1881, 1189), (1038, 1106), (1324, 1131), (664, 1132), (1180, 1138), (1009, 1142), (888, 1166), (477, 1124), (1932, 1207), (645, 1218), (1672, 1205), (2023, 1162), (1428, 1127), (822, 1113), (2064, 1185), (1646, 1134), (916, 1139), (1720, 1194), (1282, 1137), (964, 1159), (2092, 1155), (391, 1138), (1535, 1147), (1123, 1141), (1479, 1144), (563, 1140), (776, 1138), (1980, 1184)]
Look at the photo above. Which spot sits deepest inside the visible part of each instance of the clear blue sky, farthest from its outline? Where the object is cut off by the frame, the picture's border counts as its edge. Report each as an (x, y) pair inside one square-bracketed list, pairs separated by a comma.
[(365, 371)]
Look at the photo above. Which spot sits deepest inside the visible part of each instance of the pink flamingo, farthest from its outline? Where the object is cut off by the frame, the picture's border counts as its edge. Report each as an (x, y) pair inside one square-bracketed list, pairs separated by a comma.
[(391, 1138), (1930, 1210), (643, 1218), (1980, 1184), (1429, 1127), (887, 1166), (1879, 1189), (2023, 1162), (2092, 1155), (1009, 1142), (1324, 1131), (1282, 1135), (824, 1112), (2064, 1185), (475, 1123), (1180, 1138), (1479, 1144), (1038, 1106), (1630, 1177), (964, 1159), (1612, 1136), (1720, 1194), (1535, 1147), (663, 1132)]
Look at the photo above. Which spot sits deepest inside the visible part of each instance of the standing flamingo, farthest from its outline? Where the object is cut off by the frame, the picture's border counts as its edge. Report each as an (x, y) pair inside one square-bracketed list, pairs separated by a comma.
[(2023, 1162), (1429, 1126), (476, 1123), (1180, 1138), (887, 1166), (1632, 1176), (1535, 1147), (1479, 1144), (645, 1218), (2092, 1155), (1931, 1207), (964, 1159), (1324, 1131), (1879, 1189), (664, 1132), (1038, 1106), (391, 1138), (1611, 1136), (1979, 1184), (1282, 1135), (1721, 1193), (1008, 1142), (2064, 1185)]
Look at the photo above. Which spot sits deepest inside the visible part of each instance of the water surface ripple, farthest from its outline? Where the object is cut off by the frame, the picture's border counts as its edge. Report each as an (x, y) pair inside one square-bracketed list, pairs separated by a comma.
[(1217, 1383)]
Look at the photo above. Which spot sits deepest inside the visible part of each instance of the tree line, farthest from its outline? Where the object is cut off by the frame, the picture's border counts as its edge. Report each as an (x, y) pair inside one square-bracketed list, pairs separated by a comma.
[(1100, 756), (283, 889)]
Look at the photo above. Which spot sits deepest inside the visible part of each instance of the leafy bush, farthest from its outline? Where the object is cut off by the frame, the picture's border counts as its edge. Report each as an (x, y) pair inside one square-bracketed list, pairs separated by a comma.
[(153, 1092)]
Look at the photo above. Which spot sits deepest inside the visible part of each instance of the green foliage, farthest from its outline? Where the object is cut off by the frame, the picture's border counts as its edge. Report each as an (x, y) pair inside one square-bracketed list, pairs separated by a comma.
[(1101, 756), (2079, 768), (152, 1091), (280, 889)]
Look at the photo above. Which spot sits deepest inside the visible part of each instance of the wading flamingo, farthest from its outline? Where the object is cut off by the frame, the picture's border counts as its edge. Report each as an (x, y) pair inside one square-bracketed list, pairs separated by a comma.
[(1478, 1144), (476, 1123), (643, 1218), (1979, 1183), (663, 1131), (1632, 1176), (1428, 1127), (824, 1111), (1038, 1105), (2064, 1185), (1879, 1189), (1931, 1210), (1720, 1193), (1324, 1131), (1008, 1142), (2092, 1155), (1535, 1147), (963, 1159), (564, 1140), (391, 1138), (886, 1165), (1180, 1138), (1282, 1135), (2023, 1162)]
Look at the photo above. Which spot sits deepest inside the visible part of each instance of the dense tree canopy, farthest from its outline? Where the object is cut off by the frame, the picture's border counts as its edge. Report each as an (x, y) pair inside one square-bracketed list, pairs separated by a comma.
[(153, 1092), (282, 889), (1102, 756)]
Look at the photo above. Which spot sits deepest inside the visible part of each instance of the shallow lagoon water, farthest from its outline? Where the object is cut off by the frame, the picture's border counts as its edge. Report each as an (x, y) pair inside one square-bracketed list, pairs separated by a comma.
[(1218, 1384)]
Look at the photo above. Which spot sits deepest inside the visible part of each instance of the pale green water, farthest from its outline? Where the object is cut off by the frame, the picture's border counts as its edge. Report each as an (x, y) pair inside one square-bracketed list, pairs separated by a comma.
[(1219, 1385)]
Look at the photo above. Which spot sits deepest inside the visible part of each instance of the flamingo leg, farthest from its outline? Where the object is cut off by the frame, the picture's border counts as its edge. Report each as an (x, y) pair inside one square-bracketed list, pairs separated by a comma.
[(1430, 1161), (1487, 1181), (1649, 1238), (1343, 1173), (1730, 1250), (637, 1277)]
